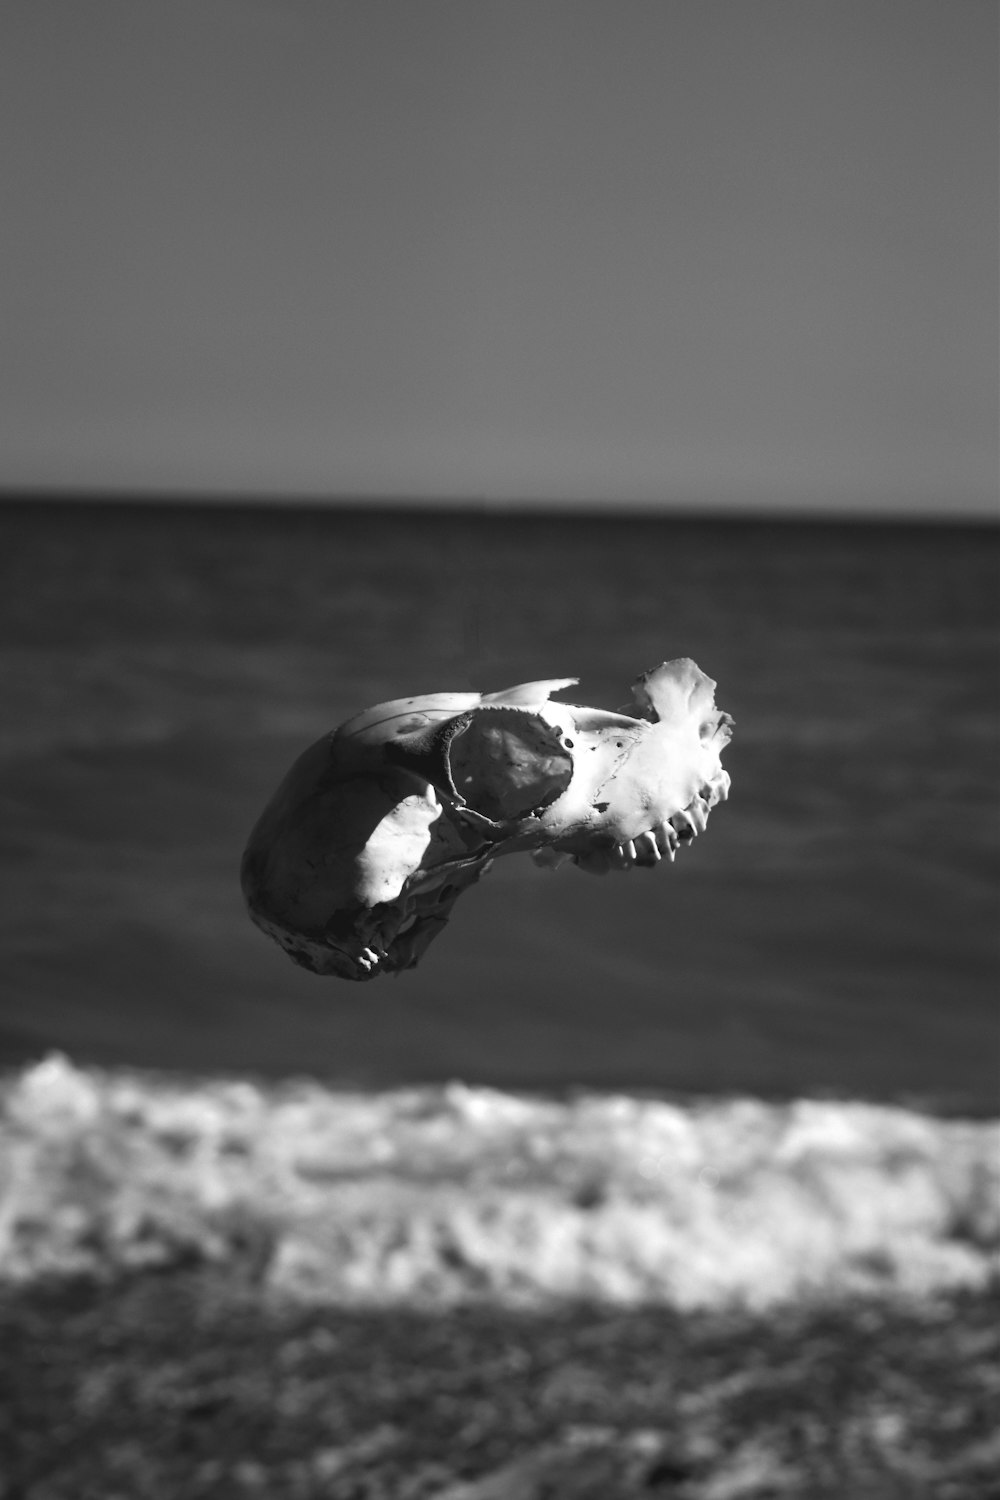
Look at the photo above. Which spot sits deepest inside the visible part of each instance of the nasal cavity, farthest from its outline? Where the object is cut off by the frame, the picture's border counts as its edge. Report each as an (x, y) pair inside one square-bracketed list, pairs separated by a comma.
[(507, 764)]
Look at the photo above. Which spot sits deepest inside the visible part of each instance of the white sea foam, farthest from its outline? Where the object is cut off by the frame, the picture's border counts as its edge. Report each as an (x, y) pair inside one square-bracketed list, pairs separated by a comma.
[(435, 1195)]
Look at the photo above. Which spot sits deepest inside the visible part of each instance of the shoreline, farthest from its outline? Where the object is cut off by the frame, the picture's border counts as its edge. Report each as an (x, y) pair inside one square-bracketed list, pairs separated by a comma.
[(220, 1288)]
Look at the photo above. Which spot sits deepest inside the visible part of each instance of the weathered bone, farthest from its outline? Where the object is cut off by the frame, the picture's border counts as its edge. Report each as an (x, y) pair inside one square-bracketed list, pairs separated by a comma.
[(377, 829)]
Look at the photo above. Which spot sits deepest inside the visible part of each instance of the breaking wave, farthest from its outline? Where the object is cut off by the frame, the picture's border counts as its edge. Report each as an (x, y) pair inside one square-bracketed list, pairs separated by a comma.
[(437, 1195)]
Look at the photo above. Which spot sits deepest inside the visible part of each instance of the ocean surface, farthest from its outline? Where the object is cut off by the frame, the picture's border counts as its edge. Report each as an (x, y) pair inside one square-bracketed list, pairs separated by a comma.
[(833, 934)]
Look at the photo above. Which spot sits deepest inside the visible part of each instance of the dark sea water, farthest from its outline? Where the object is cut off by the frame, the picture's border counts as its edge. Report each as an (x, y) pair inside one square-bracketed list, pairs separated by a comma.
[(834, 932)]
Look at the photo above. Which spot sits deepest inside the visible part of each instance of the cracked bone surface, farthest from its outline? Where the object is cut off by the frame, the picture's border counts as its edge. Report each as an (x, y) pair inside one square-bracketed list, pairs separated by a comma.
[(357, 860)]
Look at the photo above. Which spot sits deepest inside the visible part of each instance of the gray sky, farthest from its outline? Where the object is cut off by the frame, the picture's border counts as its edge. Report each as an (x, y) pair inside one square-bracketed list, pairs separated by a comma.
[(736, 252)]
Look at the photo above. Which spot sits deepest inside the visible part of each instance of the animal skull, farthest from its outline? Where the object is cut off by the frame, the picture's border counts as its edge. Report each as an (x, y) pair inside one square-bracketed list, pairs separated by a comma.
[(379, 827)]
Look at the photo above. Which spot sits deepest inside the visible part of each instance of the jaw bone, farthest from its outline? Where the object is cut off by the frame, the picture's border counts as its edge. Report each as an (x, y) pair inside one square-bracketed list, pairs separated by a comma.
[(357, 860)]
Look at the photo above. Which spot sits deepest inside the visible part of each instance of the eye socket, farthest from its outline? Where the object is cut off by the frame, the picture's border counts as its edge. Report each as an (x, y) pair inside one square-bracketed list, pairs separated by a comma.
[(568, 744), (508, 763)]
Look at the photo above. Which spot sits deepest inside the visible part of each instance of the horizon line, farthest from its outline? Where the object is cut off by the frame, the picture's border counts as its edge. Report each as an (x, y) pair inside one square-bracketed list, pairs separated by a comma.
[(491, 506)]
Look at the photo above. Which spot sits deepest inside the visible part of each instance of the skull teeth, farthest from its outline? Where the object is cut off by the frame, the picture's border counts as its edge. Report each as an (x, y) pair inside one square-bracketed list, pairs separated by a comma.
[(650, 849), (689, 827)]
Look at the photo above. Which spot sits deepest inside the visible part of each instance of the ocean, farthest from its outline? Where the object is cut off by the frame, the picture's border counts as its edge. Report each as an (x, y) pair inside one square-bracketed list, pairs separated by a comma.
[(834, 933)]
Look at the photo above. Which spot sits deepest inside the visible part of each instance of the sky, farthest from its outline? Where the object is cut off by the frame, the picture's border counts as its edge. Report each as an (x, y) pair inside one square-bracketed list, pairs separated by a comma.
[(696, 253)]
